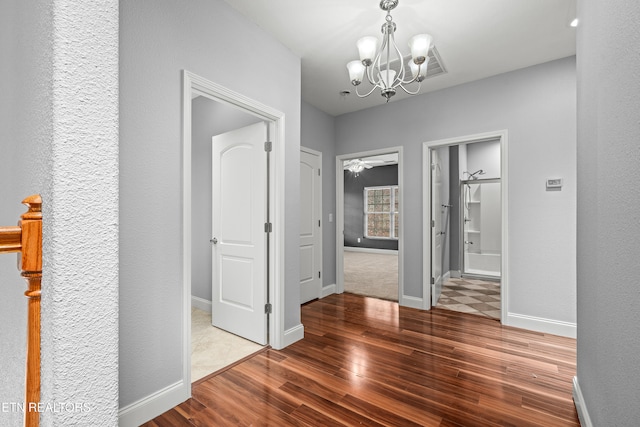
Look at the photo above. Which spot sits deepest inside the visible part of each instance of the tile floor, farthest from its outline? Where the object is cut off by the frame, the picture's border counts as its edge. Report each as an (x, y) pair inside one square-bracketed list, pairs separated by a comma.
[(471, 296), (212, 348)]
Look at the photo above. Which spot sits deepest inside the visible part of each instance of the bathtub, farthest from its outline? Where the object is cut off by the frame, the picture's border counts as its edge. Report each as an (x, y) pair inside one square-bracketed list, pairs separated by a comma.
[(485, 264)]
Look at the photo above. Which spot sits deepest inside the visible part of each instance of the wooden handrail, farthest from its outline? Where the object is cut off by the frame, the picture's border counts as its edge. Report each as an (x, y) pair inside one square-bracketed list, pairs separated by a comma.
[(26, 240)]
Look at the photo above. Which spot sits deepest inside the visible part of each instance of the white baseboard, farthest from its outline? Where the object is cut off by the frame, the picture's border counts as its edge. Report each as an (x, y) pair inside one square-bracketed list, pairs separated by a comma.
[(539, 324), (446, 276), (371, 250), (153, 405), (411, 302), (581, 406), (292, 335), (455, 274), (328, 290), (201, 304)]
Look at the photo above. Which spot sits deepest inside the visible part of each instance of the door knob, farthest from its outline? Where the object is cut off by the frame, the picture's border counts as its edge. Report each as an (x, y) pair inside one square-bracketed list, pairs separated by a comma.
[(214, 240)]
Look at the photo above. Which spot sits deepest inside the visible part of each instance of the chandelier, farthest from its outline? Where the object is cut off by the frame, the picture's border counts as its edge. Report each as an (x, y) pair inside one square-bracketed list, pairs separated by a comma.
[(376, 64)]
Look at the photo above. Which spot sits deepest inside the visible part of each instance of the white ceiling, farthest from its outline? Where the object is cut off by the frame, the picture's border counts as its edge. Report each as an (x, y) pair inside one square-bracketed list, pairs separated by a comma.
[(475, 38)]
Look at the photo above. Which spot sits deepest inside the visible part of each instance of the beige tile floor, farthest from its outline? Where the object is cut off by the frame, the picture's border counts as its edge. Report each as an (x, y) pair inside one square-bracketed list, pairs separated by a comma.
[(212, 348), (471, 296)]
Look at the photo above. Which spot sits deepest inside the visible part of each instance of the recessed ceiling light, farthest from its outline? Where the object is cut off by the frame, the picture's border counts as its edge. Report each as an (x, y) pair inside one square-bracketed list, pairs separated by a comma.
[(574, 23)]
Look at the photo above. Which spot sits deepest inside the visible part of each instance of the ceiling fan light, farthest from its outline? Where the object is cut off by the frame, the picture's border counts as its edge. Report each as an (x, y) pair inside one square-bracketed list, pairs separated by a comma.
[(420, 45), (367, 47), (356, 72)]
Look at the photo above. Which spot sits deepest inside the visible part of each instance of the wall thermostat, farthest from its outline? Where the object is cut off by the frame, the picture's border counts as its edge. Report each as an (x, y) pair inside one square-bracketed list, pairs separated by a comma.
[(554, 183)]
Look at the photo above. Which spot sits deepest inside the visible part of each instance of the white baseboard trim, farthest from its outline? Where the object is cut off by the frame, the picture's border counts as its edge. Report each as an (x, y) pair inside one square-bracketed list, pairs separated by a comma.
[(328, 290), (446, 276), (411, 302), (153, 405), (370, 250), (581, 406), (292, 335), (539, 324), (455, 274), (201, 304)]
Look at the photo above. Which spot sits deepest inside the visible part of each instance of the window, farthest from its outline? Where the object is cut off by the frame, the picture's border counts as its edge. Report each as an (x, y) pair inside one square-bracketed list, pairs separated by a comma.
[(381, 217)]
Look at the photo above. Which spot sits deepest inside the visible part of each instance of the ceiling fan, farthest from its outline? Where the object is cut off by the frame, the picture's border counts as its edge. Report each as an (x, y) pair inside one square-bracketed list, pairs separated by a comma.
[(358, 165)]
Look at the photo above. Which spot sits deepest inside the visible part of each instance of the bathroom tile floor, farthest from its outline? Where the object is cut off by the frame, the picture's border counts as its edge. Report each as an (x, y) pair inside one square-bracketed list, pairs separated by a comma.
[(212, 348), (471, 296)]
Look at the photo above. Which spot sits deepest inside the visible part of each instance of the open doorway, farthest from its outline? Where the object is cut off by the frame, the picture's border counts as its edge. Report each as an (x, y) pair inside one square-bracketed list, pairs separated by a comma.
[(211, 110), (369, 219), (465, 238), (212, 347)]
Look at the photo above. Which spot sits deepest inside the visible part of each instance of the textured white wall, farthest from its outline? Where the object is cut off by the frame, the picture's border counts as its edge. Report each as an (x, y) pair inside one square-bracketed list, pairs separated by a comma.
[(160, 38), (59, 109), (608, 203), (80, 258), (538, 107)]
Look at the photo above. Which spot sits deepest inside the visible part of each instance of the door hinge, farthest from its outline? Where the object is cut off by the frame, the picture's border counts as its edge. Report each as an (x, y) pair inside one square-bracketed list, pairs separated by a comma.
[(268, 227), (319, 223), (433, 222), (318, 172), (268, 146), (268, 308), (433, 281), (319, 275)]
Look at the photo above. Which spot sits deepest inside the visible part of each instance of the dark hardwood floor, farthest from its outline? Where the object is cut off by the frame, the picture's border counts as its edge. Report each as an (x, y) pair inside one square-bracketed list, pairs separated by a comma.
[(368, 362)]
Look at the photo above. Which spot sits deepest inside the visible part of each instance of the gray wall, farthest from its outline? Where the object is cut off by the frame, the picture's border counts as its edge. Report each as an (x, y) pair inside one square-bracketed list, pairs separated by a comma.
[(158, 39), (608, 202), (318, 133), (354, 205), (209, 118), (538, 107)]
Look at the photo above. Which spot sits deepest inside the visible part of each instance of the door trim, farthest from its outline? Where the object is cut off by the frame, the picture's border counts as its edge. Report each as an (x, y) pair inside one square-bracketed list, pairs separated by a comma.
[(194, 84), (502, 135), (402, 299)]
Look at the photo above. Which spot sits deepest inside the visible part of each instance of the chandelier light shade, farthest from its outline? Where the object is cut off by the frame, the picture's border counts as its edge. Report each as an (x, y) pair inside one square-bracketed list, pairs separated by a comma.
[(376, 64)]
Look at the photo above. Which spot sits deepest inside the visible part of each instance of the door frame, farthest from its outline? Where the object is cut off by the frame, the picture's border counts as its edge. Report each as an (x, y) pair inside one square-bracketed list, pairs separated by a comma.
[(502, 135), (402, 300), (320, 243), (194, 84)]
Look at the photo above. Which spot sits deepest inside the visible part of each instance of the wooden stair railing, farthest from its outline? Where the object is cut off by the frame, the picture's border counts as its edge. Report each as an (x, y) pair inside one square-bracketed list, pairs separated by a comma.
[(26, 240)]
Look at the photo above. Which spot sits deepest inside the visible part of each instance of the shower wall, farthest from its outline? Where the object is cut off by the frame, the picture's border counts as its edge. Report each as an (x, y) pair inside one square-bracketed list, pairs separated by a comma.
[(465, 159), (482, 228)]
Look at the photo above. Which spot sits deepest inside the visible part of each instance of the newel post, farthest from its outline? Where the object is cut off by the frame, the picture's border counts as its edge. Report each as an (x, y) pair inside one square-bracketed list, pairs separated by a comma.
[(30, 264)]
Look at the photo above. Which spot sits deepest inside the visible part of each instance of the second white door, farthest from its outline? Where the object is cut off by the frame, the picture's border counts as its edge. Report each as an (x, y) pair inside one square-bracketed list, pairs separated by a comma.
[(239, 172), (310, 225)]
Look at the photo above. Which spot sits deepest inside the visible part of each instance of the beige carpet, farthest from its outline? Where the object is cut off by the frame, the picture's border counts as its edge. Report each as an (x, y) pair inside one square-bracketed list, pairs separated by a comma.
[(371, 274), (212, 348)]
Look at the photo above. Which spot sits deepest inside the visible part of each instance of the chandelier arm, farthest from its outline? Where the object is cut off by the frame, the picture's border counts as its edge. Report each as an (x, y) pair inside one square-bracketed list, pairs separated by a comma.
[(409, 92), (399, 79), (369, 93), (413, 79)]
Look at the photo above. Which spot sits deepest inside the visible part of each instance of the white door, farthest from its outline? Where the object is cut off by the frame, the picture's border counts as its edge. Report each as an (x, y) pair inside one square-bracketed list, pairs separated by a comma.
[(436, 227), (239, 240), (310, 226)]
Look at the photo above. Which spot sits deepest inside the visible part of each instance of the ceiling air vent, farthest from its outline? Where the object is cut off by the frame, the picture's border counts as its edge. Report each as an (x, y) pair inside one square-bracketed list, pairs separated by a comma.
[(435, 67)]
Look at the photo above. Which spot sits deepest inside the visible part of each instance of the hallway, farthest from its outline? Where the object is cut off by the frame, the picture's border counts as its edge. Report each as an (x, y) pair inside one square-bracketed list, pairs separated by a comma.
[(366, 361)]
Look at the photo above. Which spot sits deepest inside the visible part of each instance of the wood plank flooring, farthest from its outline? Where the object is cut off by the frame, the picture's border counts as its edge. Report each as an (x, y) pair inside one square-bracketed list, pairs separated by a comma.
[(368, 362)]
